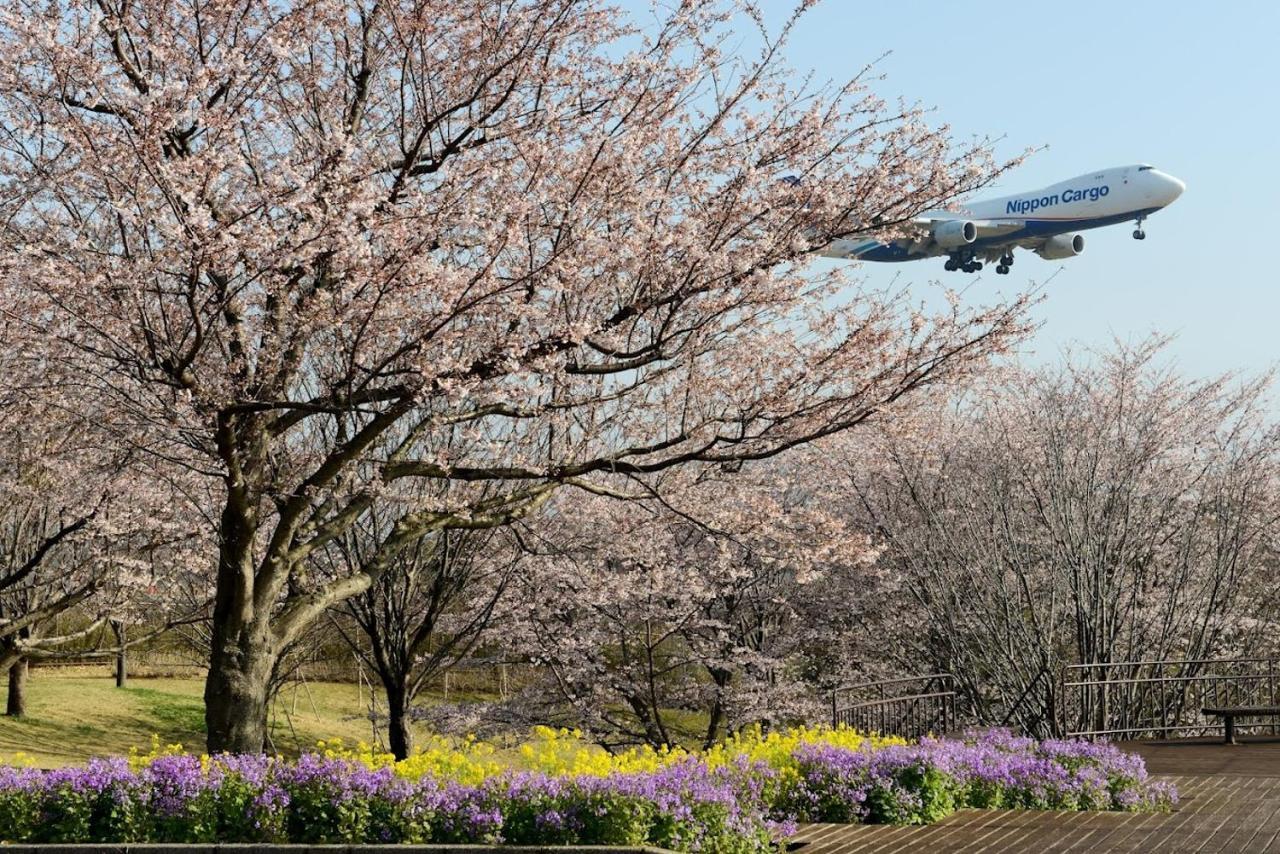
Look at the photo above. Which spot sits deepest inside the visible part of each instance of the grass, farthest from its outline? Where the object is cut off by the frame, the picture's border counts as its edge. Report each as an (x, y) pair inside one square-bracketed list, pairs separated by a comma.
[(72, 717), (78, 713)]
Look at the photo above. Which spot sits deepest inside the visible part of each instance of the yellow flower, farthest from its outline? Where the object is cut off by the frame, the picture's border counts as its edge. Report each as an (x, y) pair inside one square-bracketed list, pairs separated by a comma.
[(466, 760), (567, 752), (20, 759), (139, 760)]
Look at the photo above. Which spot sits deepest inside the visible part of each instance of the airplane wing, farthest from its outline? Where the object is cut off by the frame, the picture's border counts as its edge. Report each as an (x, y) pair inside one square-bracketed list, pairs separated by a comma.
[(921, 231), (931, 233), (986, 227)]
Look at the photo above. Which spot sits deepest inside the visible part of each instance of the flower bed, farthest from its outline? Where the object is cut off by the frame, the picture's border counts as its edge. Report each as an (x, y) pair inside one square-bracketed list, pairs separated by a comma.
[(184, 798), (921, 783), (743, 797)]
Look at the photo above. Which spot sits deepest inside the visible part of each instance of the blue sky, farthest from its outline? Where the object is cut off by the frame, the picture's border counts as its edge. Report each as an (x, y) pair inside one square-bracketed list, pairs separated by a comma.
[(1192, 88)]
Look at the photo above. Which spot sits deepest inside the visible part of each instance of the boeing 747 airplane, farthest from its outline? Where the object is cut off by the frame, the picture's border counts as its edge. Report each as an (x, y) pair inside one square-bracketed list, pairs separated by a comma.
[(1045, 221)]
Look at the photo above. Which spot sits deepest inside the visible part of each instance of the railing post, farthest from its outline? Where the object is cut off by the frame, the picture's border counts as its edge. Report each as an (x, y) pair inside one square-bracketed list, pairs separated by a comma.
[(1061, 701), (1164, 709), (1271, 689), (1104, 706)]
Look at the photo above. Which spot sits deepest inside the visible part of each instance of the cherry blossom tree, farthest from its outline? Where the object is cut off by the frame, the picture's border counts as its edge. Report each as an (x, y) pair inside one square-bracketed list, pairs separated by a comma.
[(290, 246), (1107, 510), (80, 534), (695, 605), (44, 571)]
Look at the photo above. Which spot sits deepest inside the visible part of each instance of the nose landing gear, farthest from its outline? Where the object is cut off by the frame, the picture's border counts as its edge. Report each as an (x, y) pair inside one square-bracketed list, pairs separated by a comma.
[(1138, 233)]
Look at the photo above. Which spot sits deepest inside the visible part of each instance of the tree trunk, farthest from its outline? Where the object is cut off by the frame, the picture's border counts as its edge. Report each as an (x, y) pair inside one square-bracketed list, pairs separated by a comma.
[(721, 678), (242, 651), (16, 706), (122, 664), (655, 733), (235, 694), (399, 735)]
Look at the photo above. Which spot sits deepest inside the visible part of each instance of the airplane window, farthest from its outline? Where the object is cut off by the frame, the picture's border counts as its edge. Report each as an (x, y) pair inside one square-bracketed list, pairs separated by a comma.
[(1145, 168)]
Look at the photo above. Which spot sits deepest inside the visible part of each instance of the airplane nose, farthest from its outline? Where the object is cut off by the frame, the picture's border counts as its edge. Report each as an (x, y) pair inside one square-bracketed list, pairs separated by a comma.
[(1170, 187)]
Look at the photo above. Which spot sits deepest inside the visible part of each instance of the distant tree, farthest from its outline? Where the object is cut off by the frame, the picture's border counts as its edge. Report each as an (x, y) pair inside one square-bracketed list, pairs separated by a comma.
[(1107, 510), (289, 245), (426, 612)]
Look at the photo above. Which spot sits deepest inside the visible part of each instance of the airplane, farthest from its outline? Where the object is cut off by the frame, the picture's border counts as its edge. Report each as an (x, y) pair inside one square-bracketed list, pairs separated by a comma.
[(1045, 221)]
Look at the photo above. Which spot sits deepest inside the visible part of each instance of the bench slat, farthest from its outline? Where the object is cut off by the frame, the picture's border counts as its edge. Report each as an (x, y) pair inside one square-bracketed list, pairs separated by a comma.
[(1241, 711)]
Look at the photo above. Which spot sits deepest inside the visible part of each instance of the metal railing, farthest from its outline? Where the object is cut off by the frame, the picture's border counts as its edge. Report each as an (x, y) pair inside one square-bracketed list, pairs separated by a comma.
[(1163, 699), (910, 707)]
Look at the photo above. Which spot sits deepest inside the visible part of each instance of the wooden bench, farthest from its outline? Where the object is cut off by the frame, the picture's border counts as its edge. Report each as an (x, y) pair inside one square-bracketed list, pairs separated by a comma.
[(1230, 713)]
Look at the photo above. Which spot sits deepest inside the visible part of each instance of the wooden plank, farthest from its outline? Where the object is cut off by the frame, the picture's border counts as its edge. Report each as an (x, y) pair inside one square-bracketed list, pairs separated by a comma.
[(1233, 835), (1100, 832), (1230, 802), (1264, 836)]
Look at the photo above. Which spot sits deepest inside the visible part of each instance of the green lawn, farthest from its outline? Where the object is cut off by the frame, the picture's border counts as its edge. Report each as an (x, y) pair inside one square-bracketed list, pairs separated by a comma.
[(77, 713), (73, 717)]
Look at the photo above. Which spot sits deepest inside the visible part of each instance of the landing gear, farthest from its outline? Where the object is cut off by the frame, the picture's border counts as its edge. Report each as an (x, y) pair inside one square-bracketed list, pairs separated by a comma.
[(966, 261), (962, 261), (1138, 233)]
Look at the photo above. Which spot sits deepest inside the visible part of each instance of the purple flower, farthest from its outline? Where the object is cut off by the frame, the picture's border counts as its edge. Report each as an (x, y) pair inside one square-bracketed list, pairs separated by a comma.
[(987, 768)]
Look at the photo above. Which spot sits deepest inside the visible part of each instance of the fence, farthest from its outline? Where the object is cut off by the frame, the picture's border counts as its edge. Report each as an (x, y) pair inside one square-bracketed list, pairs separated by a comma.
[(1163, 699), (911, 707), (471, 678), (141, 663)]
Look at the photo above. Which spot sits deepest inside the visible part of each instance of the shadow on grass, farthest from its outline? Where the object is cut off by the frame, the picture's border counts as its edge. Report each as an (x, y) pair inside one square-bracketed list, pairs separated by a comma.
[(177, 714)]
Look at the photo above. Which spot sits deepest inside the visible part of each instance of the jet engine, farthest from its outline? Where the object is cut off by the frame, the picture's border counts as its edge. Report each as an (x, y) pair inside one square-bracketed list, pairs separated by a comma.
[(1061, 246), (954, 233)]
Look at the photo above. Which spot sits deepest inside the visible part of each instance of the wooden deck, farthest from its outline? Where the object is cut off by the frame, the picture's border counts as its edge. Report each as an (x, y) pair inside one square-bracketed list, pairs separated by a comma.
[(1253, 757), (1229, 802)]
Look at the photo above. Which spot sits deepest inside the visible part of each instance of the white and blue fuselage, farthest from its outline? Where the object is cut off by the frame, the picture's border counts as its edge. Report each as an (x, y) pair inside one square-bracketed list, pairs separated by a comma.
[(1045, 221)]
